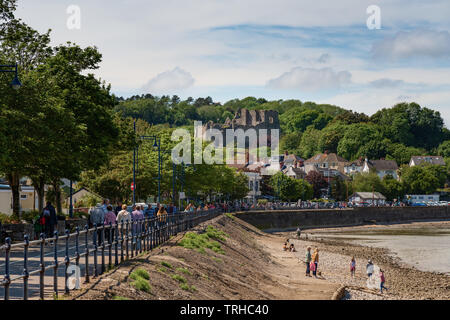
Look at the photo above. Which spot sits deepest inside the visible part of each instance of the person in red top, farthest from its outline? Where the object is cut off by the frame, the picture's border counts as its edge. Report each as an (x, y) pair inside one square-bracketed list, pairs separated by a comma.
[(383, 280)]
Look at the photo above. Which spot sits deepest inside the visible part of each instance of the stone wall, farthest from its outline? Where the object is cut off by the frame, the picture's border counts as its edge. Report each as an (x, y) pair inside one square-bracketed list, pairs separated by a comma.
[(291, 219)]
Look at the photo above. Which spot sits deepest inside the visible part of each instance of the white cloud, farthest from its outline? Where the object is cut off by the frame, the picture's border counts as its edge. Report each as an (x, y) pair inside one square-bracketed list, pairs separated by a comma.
[(176, 79), (386, 83), (324, 58), (417, 43), (309, 79)]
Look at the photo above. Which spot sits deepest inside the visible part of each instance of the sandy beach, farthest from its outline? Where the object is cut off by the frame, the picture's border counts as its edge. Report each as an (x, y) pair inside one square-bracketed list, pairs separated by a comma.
[(404, 281)]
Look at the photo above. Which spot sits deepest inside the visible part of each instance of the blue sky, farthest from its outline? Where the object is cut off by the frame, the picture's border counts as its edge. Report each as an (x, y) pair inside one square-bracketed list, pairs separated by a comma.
[(319, 50)]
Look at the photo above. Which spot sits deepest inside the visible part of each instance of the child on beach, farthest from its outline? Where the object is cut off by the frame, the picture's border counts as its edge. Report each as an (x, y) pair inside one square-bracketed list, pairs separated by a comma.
[(285, 246), (383, 280), (352, 267), (292, 248), (315, 260), (369, 268)]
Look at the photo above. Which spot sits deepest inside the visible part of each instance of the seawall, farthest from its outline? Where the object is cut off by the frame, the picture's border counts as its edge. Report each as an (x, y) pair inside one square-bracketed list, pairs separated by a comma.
[(279, 220)]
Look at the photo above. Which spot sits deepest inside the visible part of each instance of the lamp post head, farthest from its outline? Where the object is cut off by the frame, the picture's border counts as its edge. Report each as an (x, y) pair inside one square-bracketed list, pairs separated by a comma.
[(155, 145), (16, 84)]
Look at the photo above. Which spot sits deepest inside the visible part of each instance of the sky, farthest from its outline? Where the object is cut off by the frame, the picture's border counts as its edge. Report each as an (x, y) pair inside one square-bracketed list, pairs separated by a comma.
[(321, 51)]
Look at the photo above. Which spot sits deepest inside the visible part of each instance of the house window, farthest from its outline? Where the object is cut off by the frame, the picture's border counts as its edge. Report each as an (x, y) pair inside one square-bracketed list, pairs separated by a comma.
[(256, 186), (23, 197), (251, 185)]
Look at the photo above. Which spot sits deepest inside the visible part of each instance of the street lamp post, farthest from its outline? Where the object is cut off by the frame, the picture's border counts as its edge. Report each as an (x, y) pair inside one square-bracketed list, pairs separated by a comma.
[(12, 68)]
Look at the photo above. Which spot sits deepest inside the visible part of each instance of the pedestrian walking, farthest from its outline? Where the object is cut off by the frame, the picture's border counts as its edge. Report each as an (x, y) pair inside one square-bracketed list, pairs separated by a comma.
[(50, 219), (382, 281), (110, 219), (298, 232), (137, 217), (97, 217), (308, 259), (352, 267), (369, 268), (315, 260), (123, 217)]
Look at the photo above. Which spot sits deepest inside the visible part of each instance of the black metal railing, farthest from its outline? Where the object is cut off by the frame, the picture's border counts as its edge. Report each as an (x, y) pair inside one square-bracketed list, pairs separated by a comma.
[(114, 243)]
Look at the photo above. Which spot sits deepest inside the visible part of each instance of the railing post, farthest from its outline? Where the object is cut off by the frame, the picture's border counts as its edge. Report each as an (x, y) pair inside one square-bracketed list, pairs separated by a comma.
[(77, 246), (7, 278), (26, 274), (133, 231), (55, 271), (116, 242), (144, 234), (141, 229), (126, 239), (42, 267), (95, 250), (121, 241), (86, 269), (110, 241), (67, 262), (102, 239)]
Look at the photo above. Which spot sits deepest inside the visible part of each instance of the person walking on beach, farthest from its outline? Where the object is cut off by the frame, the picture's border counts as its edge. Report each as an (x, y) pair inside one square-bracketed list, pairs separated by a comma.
[(315, 260), (298, 232), (369, 268), (308, 261), (352, 267), (382, 281)]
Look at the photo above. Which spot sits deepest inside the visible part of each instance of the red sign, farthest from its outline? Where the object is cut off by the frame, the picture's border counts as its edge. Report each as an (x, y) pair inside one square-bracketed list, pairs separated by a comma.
[(132, 186)]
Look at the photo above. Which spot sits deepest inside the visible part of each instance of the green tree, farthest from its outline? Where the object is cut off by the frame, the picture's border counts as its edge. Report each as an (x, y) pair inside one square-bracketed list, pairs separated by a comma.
[(419, 180), (290, 142), (393, 189), (444, 149), (368, 182), (310, 143)]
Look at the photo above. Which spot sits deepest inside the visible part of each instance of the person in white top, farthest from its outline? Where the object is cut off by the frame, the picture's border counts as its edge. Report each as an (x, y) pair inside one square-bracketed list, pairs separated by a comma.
[(123, 215)]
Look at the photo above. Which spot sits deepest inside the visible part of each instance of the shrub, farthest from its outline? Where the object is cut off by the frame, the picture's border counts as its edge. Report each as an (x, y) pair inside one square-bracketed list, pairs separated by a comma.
[(229, 215), (215, 233), (166, 264), (141, 284), (184, 270), (179, 278), (201, 241), (140, 273)]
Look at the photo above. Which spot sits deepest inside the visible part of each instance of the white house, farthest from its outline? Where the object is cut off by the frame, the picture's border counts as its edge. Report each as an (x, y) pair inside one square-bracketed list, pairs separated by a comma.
[(368, 197), (416, 160), (354, 167), (417, 198), (382, 167)]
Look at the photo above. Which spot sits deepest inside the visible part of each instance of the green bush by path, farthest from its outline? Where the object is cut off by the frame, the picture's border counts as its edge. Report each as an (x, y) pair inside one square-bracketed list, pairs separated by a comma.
[(166, 264), (141, 284), (140, 273), (179, 278), (201, 241), (184, 270)]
